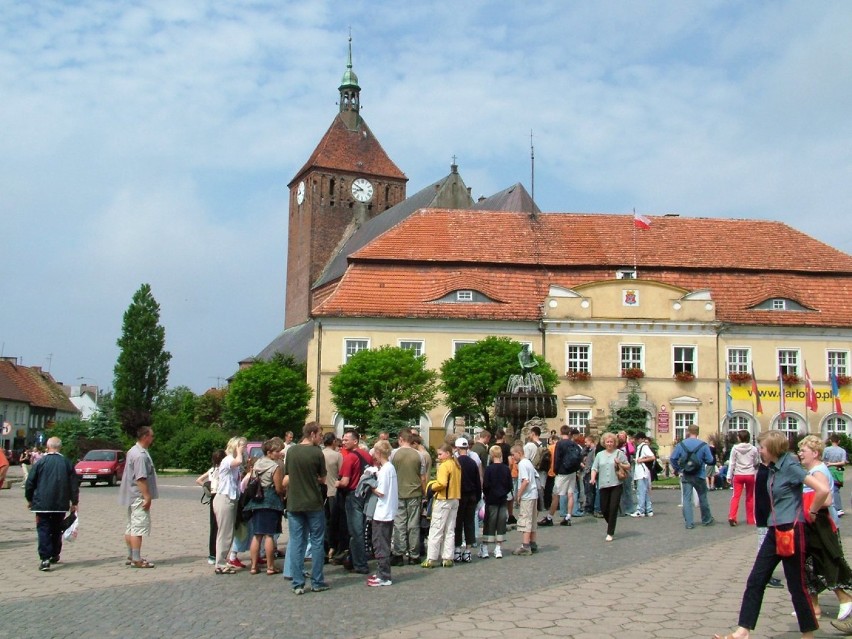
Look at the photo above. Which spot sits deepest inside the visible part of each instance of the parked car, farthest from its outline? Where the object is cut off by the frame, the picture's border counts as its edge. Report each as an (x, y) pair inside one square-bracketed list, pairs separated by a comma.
[(101, 465)]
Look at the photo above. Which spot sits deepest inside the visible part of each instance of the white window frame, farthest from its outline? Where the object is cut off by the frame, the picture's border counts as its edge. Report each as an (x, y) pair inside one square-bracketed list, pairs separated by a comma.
[(683, 419), (621, 360), (625, 274), (578, 419), (352, 340), (420, 345), (796, 355), (458, 343), (738, 418), (685, 366), (738, 366), (783, 423), (465, 295), (779, 304), (840, 368), (582, 364), (831, 423)]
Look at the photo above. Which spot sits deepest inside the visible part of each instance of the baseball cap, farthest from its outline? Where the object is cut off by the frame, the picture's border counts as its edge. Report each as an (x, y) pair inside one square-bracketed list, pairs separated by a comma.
[(461, 442)]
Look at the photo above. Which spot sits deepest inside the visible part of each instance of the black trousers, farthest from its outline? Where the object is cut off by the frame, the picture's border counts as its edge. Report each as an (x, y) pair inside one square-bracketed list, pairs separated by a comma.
[(214, 530), (49, 529), (794, 571), (610, 501), (466, 520)]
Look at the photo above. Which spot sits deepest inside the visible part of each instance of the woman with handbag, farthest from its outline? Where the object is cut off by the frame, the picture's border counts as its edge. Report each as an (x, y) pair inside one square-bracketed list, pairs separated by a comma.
[(785, 539), (225, 502), (267, 508), (210, 482), (825, 565), (609, 470)]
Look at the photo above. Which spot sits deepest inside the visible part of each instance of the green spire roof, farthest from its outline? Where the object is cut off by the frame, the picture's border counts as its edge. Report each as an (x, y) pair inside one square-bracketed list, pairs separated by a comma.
[(349, 77)]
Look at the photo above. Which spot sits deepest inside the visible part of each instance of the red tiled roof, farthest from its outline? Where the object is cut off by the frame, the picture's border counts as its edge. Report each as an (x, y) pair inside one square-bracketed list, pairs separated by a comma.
[(356, 151), (599, 239), (35, 386), (514, 260)]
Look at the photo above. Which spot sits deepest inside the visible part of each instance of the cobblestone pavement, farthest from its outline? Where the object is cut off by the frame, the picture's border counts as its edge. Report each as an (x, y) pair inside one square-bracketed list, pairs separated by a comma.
[(656, 580)]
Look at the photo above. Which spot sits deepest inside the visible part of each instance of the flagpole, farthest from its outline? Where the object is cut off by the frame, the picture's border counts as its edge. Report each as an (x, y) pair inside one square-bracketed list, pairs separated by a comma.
[(634, 242)]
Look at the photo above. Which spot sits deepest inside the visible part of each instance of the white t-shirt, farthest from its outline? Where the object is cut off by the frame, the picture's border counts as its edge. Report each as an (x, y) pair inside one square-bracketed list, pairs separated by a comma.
[(640, 470), (386, 484), (527, 471), (530, 449)]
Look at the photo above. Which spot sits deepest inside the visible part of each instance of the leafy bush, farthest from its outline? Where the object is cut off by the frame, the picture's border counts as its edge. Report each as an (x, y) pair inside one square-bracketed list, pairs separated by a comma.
[(194, 447)]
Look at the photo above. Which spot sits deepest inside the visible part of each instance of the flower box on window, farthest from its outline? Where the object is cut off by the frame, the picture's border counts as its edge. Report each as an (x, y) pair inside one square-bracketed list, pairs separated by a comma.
[(791, 379), (844, 380), (739, 378), (632, 373), (579, 376), (684, 376)]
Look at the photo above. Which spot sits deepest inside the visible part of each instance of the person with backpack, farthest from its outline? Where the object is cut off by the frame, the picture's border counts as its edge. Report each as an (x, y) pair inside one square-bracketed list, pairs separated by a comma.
[(567, 459), (689, 459), (471, 492)]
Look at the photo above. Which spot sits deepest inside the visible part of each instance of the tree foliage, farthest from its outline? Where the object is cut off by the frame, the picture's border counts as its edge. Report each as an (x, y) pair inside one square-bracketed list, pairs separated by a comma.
[(479, 372), (142, 369), (631, 418), (268, 399), (384, 389)]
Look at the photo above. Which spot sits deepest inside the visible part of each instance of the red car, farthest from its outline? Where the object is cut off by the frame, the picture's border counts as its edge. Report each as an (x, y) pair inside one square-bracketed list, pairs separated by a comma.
[(101, 465)]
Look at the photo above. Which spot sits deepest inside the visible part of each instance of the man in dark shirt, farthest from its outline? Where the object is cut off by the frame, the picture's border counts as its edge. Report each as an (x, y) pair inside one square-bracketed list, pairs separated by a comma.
[(51, 490), (304, 472)]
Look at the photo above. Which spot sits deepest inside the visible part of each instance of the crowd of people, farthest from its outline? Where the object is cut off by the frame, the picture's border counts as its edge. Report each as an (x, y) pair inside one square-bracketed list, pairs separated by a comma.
[(345, 504)]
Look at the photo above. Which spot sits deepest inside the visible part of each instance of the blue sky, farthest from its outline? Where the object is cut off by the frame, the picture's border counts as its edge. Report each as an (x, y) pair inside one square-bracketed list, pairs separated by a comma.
[(153, 141)]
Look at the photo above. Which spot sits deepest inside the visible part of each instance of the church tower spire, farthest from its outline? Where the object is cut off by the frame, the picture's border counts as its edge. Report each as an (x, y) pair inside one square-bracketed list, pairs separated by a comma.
[(350, 94)]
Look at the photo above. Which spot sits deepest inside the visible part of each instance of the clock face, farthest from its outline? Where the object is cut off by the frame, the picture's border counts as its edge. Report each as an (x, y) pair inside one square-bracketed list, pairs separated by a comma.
[(300, 193), (362, 190)]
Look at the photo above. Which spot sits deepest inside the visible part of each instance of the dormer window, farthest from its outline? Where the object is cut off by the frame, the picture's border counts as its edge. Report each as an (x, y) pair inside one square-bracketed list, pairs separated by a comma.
[(464, 296), (625, 274), (780, 304)]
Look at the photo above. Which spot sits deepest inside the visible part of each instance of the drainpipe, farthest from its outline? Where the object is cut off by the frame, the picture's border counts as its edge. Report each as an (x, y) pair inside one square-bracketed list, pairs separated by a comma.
[(319, 371)]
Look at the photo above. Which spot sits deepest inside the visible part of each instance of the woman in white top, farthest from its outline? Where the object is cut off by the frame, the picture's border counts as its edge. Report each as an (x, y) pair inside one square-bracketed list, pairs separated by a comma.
[(225, 502), (742, 467), (605, 478)]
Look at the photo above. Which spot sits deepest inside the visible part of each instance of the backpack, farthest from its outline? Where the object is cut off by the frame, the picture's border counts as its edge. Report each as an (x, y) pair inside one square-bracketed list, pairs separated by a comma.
[(571, 461), (691, 464), (542, 458)]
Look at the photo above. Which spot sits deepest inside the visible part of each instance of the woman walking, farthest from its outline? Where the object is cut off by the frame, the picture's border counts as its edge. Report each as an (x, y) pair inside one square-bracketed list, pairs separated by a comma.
[(742, 467), (787, 519), (605, 479)]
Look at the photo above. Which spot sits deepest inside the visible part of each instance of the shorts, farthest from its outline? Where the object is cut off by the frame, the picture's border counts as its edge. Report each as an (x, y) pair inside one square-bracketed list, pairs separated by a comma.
[(565, 484), (138, 519), (527, 513)]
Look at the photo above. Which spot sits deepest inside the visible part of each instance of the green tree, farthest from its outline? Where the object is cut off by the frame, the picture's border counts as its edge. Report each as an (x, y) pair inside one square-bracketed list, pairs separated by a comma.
[(631, 418), (142, 369), (174, 412), (479, 372), (267, 399), (384, 388)]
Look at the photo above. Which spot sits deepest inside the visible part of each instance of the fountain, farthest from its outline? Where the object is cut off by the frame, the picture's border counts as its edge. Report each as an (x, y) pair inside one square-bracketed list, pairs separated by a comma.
[(525, 397)]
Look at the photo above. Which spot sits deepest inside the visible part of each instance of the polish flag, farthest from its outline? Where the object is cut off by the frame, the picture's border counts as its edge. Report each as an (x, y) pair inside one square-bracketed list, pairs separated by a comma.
[(810, 393), (641, 222)]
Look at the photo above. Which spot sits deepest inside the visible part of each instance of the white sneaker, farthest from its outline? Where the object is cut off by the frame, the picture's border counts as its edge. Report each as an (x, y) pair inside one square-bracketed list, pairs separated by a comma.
[(498, 553), (650, 515), (483, 552), (457, 557), (636, 514)]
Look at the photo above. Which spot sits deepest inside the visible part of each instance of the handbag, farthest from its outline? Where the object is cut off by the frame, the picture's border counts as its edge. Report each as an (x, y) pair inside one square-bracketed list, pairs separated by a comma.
[(620, 471), (785, 542)]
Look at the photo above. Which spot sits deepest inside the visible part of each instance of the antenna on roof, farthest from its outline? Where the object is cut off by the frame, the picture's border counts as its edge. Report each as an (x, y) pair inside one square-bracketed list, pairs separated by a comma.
[(532, 176)]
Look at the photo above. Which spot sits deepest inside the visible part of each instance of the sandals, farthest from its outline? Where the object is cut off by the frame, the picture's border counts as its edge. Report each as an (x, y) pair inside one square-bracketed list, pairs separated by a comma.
[(142, 563), (273, 571), (227, 570), (253, 571)]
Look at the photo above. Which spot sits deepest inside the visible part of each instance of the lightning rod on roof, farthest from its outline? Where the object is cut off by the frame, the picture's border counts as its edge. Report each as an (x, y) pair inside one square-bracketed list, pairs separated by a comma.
[(532, 176)]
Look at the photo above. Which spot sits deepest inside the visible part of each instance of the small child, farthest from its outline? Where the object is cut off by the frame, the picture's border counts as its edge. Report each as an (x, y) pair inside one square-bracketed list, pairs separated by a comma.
[(386, 491)]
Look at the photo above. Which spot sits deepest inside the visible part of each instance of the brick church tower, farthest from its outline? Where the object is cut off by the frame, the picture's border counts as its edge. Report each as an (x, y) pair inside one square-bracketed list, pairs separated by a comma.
[(347, 180)]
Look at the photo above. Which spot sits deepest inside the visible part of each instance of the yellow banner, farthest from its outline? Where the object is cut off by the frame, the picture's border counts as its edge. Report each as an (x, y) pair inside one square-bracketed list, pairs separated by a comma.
[(791, 393)]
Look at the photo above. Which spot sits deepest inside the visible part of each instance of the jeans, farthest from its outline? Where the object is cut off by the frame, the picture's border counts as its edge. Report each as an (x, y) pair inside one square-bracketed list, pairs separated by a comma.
[(628, 495), (643, 491), (406, 528), (357, 526), (687, 483), (794, 571), (304, 525), (49, 529)]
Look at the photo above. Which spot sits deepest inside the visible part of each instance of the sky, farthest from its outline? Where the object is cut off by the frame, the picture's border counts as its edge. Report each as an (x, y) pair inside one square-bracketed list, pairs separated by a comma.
[(152, 142)]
